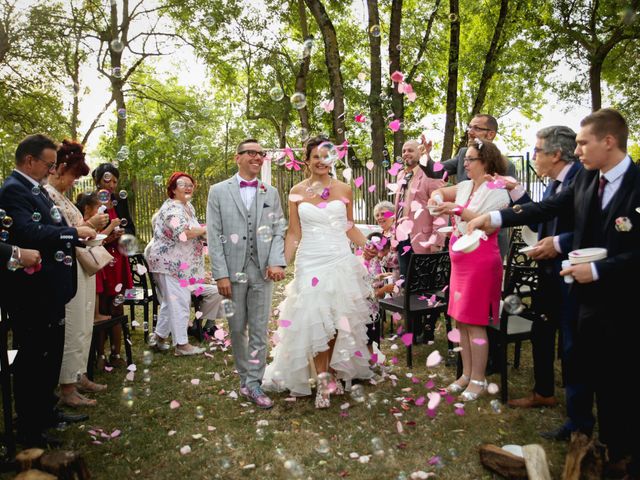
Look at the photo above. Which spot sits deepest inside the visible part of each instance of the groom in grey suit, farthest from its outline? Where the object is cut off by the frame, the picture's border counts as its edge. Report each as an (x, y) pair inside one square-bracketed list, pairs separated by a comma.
[(245, 230)]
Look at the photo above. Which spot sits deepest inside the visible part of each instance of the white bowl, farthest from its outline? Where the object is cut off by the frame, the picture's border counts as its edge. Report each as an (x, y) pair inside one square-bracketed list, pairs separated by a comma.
[(587, 255), (529, 236), (514, 450), (448, 229), (94, 242), (468, 243)]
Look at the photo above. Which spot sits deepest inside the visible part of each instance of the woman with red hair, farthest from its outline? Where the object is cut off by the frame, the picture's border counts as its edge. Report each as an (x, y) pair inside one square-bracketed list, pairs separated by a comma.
[(176, 260)]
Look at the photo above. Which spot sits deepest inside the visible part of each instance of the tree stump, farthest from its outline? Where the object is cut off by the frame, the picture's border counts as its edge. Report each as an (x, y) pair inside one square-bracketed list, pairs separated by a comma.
[(35, 475), (502, 462), (65, 465), (585, 458), (28, 459)]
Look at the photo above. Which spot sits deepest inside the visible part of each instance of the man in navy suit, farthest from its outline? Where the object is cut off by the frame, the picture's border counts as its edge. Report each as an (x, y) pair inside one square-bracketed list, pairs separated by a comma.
[(35, 298), (605, 201), (554, 158)]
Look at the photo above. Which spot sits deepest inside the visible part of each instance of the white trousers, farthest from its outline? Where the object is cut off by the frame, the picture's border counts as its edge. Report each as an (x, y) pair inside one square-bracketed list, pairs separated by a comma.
[(79, 313), (175, 308)]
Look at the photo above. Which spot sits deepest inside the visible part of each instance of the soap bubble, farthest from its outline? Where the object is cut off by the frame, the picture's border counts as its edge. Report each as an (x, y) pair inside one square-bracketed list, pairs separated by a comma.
[(141, 154), (4, 235), (122, 114), (56, 215), (328, 153), (36, 190), (374, 31), (513, 304), (222, 238), (147, 356), (67, 260), (104, 196), (377, 446), (496, 406), (107, 176), (3, 213), (294, 468), (128, 244), (118, 300), (323, 447), (123, 194), (241, 277), (299, 100), (176, 127), (116, 72), (59, 256), (265, 233), (117, 45), (276, 94), (127, 397), (157, 179), (7, 221), (199, 412), (124, 222), (228, 307), (357, 393)]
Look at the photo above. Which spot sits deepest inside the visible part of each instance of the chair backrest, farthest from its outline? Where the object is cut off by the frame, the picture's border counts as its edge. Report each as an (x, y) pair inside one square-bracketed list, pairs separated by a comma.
[(517, 261), (142, 280), (427, 272)]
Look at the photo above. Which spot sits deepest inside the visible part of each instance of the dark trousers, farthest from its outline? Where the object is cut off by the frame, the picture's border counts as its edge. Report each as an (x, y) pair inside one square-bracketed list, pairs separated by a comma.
[(543, 345), (39, 336)]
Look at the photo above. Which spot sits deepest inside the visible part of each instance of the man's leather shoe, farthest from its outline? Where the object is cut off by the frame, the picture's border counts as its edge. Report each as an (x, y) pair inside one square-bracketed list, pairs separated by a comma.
[(532, 401), (71, 417), (41, 440), (562, 434)]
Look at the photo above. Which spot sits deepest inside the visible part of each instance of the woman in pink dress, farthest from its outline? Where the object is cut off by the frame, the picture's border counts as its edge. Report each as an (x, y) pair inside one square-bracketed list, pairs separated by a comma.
[(476, 277)]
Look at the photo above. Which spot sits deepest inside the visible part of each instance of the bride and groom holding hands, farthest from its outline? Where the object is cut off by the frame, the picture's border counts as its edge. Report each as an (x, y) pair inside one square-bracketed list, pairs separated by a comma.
[(322, 320)]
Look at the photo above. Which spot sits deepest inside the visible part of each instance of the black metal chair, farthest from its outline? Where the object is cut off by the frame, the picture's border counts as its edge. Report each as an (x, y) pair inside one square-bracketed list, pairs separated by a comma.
[(5, 382), (521, 279), (105, 326), (427, 275), (145, 292)]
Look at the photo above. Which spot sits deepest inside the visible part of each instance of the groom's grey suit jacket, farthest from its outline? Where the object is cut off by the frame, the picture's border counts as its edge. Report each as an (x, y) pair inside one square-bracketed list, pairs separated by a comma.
[(228, 217)]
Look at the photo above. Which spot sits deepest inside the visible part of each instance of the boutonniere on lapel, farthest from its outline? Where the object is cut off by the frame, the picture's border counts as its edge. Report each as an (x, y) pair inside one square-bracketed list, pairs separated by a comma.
[(263, 188), (623, 224)]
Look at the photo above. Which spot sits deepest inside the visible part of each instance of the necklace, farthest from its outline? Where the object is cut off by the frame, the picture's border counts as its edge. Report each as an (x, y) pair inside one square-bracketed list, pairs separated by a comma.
[(315, 187)]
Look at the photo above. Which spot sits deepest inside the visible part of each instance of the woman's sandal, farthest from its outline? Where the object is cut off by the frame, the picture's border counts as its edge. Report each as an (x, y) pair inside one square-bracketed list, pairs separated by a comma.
[(322, 399), (339, 390), (456, 387), (468, 396)]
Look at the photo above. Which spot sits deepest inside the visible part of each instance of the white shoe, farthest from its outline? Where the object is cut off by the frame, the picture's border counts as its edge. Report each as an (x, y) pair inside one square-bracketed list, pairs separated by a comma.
[(185, 353), (159, 344)]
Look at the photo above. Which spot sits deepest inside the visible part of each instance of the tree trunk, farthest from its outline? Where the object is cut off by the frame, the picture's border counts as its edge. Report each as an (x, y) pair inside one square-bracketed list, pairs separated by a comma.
[(452, 84), (595, 86), (332, 58), (489, 68), (375, 92), (301, 78), (397, 98)]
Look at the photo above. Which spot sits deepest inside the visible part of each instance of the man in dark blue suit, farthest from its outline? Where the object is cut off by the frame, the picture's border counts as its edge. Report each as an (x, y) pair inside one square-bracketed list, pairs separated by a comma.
[(554, 158), (605, 201), (35, 299)]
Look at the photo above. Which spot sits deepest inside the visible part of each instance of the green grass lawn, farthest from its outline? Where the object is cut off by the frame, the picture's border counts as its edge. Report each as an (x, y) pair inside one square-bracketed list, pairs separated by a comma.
[(232, 439)]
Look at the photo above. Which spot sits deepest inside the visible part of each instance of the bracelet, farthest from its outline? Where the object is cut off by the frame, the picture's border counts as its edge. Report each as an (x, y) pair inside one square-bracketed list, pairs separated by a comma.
[(457, 210)]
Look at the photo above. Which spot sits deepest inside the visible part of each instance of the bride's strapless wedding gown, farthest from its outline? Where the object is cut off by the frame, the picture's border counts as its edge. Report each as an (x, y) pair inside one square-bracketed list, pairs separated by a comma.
[(328, 298)]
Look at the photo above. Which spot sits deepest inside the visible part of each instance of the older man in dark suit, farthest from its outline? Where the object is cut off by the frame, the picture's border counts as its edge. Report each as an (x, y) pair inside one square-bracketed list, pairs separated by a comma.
[(605, 201), (35, 298)]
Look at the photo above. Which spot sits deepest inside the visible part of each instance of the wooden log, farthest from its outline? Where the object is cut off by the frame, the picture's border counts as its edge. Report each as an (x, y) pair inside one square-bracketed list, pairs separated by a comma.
[(65, 465), (585, 458), (502, 462), (34, 475), (535, 460), (28, 459)]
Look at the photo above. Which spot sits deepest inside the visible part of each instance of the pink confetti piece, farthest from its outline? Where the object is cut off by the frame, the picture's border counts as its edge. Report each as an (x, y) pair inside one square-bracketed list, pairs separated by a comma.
[(183, 266), (174, 222), (255, 361), (291, 399), (434, 358), (219, 334), (479, 341), (492, 388), (254, 353), (388, 214), (284, 323), (374, 358), (327, 105), (370, 165), (130, 376), (394, 360), (322, 205), (396, 317), (454, 335), (182, 237), (399, 427), (395, 168), (198, 314), (358, 353), (372, 188), (108, 369), (394, 125), (405, 249), (234, 237), (397, 76), (174, 404), (420, 401), (412, 96), (195, 381), (445, 175), (434, 400), (360, 118), (459, 411), (358, 181), (115, 433), (314, 281), (437, 166), (407, 339), (185, 450), (429, 385)]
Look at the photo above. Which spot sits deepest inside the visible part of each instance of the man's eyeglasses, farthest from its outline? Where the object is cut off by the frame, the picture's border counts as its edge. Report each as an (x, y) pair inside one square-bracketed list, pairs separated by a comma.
[(476, 128), (253, 153), (50, 165), (471, 159)]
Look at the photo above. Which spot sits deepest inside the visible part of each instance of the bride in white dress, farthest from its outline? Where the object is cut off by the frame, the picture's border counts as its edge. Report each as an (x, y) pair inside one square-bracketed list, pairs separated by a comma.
[(322, 332)]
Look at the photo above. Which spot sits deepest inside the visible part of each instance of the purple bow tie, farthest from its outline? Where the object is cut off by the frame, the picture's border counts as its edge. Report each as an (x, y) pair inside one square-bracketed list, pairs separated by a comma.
[(253, 184)]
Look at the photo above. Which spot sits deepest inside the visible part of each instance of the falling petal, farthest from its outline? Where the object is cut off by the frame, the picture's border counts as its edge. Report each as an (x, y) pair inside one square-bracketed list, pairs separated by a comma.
[(394, 125), (492, 388), (370, 165), (174, 404), (395, 169), (437, 166), (314, 281), (479, 341), (434, 400), (195, 381), (434, 358), (397, 76), (358, 182), (372, 188), (407, 339), (185, 450), (420, 401), (454, 335), (234, 237)]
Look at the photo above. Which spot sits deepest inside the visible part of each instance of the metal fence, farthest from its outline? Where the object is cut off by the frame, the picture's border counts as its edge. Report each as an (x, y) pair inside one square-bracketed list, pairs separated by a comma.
[(145, 196)]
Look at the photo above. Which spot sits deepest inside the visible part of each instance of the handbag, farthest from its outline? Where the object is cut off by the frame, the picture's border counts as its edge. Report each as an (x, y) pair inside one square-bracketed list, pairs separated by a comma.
[(93, 259)]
